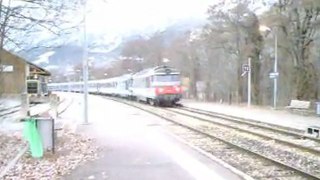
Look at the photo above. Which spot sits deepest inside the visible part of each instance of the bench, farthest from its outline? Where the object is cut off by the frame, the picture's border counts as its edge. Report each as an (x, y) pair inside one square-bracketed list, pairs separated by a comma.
[(300, 106), (313, 131), (297, 104)]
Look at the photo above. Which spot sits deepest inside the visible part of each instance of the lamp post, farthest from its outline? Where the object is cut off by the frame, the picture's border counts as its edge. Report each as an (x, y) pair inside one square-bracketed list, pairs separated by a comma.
[(275, 72), (249, 82), (85, 67)]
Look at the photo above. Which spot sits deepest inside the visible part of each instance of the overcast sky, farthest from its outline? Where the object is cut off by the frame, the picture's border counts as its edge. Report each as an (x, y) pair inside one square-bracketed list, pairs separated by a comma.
[(118, 16), (115, 18)]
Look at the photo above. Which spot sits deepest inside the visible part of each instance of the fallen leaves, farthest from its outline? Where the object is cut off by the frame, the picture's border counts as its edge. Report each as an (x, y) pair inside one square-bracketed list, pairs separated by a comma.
[(9, 148), (71, 150)]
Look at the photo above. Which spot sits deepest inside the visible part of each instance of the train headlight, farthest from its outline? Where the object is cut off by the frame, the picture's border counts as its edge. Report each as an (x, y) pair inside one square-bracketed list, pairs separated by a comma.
[(177, 88), (159, 90)]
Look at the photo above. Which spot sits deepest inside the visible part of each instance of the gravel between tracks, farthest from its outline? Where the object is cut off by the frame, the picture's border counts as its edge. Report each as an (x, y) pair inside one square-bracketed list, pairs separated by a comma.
[(291, 156), (251, 127), (258, 169)]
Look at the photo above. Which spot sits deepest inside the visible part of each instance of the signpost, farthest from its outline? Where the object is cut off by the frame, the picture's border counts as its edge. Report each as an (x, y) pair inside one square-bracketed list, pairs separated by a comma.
[(273, 75), (6, 68), (249, 82), (246, 69)]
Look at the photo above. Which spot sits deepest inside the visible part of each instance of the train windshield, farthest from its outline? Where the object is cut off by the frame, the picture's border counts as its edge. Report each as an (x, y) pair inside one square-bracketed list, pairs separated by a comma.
[(32, 87), (166, 78)]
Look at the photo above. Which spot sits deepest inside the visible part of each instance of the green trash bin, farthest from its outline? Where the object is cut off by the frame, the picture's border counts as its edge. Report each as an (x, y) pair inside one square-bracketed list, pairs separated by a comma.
[(32, 135)]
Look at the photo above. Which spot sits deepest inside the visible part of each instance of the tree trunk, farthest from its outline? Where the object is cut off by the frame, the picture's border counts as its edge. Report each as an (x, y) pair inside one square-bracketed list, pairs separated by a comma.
[(255, 81), (239, 82), (306, 82)]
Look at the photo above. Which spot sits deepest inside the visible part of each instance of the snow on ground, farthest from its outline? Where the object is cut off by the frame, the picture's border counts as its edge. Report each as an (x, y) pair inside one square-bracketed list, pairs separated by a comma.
[(11, 122), (277, 117), (9, 102)]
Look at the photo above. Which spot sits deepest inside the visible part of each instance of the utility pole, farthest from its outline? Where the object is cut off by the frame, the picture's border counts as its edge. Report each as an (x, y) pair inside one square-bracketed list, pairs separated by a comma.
[(275, 74), (85, 66), (239, 81)]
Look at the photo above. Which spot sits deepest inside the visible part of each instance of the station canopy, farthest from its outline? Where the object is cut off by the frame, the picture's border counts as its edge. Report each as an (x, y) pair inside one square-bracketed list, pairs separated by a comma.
[(36, 70)]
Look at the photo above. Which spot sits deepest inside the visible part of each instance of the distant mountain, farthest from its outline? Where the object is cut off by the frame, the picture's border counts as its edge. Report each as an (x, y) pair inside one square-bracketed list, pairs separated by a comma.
[(101, 49)]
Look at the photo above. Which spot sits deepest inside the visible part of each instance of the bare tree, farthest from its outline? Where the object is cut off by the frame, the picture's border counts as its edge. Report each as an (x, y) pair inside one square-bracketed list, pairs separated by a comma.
[(299, 25), (236, 32), (18, 20)]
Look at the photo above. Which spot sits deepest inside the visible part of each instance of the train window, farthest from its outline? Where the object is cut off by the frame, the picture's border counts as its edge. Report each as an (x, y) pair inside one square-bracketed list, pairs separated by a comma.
[(148, 80), (44, 87), (32, 87), (166, 78), (128, 84)]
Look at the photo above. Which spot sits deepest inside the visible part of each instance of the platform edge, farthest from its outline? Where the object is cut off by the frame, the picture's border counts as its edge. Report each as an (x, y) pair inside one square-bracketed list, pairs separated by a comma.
[(210, 156)]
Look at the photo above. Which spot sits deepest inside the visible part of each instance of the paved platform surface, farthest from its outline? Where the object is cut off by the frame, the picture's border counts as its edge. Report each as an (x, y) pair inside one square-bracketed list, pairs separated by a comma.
[(268, 115), (136, 146)]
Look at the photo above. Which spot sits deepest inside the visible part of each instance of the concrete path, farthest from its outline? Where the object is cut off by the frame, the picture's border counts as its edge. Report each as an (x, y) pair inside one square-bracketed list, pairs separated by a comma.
[(277, 117), (136, 146)]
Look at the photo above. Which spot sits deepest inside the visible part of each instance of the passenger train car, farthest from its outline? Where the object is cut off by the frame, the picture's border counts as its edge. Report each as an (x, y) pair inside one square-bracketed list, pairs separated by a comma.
[(158, 85)]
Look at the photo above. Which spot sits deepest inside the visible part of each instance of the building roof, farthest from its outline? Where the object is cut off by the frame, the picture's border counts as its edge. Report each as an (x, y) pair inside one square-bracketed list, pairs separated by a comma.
[(34, 69)]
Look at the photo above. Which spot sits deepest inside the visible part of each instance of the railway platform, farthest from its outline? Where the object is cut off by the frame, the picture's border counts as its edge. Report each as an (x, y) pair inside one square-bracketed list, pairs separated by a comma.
[(136, 146), (265, 115)]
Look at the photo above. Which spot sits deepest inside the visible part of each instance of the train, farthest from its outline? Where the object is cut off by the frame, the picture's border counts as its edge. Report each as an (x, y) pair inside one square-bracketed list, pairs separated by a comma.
[(37, 91), (159, 85)]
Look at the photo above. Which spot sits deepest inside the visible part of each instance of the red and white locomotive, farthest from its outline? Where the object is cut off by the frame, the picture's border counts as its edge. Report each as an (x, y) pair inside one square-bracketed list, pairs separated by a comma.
[(159, 85)]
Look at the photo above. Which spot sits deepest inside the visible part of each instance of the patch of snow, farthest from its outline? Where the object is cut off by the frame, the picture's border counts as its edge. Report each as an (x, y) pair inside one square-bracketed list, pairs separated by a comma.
[(52, 67), (44, 58), (9, 102)]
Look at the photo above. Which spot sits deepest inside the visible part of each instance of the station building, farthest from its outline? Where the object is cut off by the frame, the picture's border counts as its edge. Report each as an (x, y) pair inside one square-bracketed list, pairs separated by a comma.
[(14, 71)]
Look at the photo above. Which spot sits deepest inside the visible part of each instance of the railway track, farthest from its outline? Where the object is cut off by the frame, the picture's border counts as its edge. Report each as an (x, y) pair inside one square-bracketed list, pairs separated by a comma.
[(12, 110), (263, 155), (6, 109), (265, 125), (290, 138)]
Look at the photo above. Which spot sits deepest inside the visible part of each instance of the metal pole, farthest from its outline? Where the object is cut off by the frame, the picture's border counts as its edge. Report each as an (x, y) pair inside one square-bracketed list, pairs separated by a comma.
[(275, 83), (25, 99), (249, 82), (85, 68)]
